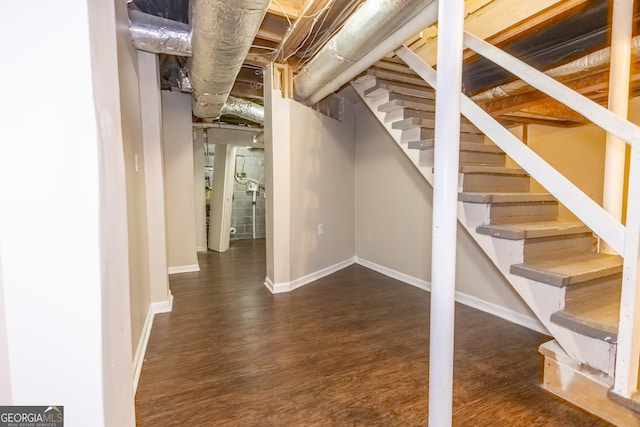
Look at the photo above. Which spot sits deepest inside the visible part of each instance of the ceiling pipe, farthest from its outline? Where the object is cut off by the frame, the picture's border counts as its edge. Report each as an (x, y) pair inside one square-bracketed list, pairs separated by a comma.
[(374, 22), (244, 109), (154, 34), (223, 31)]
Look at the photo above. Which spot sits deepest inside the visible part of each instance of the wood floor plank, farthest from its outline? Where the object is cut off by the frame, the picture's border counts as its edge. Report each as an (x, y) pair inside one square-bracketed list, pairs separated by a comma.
[(349, 349)]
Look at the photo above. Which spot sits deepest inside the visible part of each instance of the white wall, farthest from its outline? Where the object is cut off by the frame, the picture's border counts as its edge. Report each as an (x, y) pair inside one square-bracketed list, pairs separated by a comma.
[(151, 109), (5, 367), (179, 186), (134, 160), (63, 237), (309, 177), (578, 153), (322, 189), (393, 222)]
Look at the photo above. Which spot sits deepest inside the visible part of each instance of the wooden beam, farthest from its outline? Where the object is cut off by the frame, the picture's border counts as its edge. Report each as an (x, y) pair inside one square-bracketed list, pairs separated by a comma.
[(555, 110), (247, 90), (589, 85), (487, 18), (285, 8), (269, 34)]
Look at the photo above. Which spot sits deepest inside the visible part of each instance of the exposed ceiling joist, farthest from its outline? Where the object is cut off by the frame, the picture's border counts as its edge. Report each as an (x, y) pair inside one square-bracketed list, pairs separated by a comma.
[(285, 8), (488, 18)]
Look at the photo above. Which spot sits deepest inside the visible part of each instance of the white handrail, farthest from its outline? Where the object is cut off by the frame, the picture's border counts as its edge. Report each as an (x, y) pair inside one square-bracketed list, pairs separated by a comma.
[(595, 113), (588, 211)]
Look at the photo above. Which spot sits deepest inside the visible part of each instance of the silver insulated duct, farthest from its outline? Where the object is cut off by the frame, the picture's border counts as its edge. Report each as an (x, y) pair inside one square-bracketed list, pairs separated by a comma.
[(223, 31), (244, 109), (154, 34), (373, 22)]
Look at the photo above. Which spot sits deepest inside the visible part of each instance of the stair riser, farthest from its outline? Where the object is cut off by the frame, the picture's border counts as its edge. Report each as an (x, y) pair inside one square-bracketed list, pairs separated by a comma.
[(511, 213), (479, 158), (605, 287), (406, 113), (499, 183), (472, 137), (558, 246), (410, 122), (397, 77), (397, 104), (403, 89)]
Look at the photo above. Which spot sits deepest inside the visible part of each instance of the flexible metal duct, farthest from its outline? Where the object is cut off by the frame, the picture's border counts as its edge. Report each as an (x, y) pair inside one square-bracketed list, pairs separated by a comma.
[(159, 35), (223, 31), (244, 109), (373, 22)]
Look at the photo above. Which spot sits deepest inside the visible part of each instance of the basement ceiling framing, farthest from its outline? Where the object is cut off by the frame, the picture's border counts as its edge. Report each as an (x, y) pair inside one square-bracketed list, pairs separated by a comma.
[(543, 33)]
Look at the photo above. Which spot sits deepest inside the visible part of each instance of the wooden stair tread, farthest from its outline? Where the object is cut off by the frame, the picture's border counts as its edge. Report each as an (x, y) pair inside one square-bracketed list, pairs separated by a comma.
[(394, 66), (427, 144), (566, 271), (396, 76), (532, 230), (492, 170), (398, 101), (383, 86), (603, 326), (594, 317), (411, 122), (507, 197)]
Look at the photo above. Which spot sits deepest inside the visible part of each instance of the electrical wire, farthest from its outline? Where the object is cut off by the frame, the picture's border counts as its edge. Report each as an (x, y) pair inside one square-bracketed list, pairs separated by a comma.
[(326, 9)]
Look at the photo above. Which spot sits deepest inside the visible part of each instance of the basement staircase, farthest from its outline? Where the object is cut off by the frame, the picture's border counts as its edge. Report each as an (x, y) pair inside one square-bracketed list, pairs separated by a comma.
[(552, 263)]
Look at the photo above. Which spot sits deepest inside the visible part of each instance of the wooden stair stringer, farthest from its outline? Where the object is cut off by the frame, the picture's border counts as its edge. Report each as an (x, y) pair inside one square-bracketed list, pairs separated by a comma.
[(543, 300)]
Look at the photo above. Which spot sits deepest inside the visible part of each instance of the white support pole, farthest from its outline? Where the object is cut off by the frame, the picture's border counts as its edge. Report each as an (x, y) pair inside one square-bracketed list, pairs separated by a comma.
[(628, 351), (618, 104), (445, 201)]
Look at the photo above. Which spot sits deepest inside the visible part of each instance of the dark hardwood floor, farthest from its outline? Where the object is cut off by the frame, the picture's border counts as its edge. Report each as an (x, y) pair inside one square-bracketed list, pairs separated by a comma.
[(349, 349)]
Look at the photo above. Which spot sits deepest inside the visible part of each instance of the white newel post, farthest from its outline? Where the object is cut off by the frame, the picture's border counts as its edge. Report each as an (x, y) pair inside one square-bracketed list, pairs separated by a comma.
[(618, 104), (628, 351), (445, 200)]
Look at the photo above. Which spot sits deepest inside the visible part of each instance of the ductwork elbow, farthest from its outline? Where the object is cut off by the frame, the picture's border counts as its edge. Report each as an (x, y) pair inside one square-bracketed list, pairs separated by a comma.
[(244, 109), (154, 34), (223, 31)]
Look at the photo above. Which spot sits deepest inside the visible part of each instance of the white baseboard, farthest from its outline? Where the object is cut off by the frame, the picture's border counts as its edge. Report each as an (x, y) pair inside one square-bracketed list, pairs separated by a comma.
[(163, 306), (201, 249), (277, 288), (281, 287), (468, 300), (394, 274), (138, 358), (502, 312), (183, 269)]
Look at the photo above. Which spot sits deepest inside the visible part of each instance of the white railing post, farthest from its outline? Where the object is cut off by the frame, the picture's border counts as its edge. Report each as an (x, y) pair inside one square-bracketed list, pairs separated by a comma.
[(618, 104), (628, 351), (445, 202)]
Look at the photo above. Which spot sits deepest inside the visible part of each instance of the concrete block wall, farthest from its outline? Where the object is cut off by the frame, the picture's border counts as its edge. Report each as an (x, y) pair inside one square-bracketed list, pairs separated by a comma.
[(253, 162)]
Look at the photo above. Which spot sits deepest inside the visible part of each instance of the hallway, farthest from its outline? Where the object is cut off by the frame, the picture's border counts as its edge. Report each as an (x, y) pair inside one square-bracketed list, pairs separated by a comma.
[(350, 349)]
